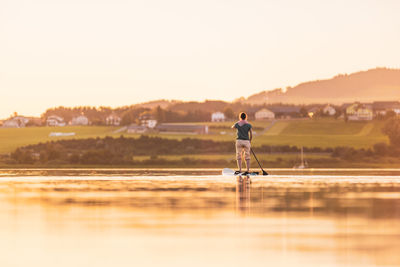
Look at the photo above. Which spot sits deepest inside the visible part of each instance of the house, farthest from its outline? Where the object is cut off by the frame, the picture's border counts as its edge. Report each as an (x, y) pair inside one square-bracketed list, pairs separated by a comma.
[(217, 116), (54, 120), (182, 128), (80, 120), (16, 122), (329, 110), (147, 120), (134, 128), (382, 107), (359, 112), (10, 123), (113, 119), (264, 114)]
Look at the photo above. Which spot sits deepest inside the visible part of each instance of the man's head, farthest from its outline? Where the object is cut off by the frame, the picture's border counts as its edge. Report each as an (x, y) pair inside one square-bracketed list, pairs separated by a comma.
[(242, 116)]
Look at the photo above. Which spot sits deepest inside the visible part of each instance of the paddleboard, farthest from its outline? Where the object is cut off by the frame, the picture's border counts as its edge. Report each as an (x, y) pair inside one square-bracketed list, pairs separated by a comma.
[(230, 172)]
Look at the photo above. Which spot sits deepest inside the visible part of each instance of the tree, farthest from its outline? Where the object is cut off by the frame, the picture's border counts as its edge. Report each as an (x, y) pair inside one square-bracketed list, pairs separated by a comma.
[(303, 112), (390, 114), (228, 112), (132, 115), (381, 149), (338, 113), (159, 114), (392, 130)]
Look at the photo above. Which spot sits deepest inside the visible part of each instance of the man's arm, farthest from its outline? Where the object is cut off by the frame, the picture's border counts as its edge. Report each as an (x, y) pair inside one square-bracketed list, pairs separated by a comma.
[(250, 134)]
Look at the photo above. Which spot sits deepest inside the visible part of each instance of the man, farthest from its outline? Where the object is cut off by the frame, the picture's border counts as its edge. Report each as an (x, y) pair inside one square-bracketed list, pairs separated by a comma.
[(243, 139)]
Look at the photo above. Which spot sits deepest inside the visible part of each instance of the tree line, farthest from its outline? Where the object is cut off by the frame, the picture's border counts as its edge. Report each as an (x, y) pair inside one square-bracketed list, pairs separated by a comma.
[(175, 112), (122, 150)]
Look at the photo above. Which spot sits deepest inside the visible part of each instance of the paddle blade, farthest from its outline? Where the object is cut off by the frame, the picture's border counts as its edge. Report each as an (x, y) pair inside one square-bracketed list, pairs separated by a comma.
[(265, 173)]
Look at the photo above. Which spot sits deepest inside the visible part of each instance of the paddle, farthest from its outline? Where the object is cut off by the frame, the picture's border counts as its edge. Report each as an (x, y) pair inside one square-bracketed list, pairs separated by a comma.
[(264, 172)]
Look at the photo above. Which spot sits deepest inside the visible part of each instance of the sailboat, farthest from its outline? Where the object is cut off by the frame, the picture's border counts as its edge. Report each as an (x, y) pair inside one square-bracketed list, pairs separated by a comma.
[(303, 164)]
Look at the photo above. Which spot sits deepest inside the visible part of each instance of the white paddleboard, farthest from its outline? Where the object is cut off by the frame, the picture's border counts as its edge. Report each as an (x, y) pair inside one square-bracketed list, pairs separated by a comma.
[(230, 172)]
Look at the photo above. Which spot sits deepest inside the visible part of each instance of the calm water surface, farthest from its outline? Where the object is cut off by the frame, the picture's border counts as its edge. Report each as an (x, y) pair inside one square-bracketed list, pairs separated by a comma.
[(128, 217)]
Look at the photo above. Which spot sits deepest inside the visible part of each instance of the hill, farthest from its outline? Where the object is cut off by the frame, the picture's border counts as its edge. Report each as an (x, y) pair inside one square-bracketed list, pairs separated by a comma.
[(380, 84), (155, 103), (206, 106)]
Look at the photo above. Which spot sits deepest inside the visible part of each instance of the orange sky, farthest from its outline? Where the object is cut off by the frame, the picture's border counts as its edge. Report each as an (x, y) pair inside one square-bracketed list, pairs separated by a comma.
[(119, 52)]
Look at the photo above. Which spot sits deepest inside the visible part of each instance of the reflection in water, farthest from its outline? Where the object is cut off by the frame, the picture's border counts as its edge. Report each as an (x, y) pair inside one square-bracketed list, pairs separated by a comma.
[(243, 200), (190, 218)]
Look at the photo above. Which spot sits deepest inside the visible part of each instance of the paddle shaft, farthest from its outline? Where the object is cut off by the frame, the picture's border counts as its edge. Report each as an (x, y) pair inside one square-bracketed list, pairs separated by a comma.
[(254, 154)]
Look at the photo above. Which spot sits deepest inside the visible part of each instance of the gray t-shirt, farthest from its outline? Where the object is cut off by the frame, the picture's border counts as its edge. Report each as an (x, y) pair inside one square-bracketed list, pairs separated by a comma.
[(243, 131)]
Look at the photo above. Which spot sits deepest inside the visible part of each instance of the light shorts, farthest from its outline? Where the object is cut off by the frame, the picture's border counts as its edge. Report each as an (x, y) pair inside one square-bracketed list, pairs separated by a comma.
[(243, 146)]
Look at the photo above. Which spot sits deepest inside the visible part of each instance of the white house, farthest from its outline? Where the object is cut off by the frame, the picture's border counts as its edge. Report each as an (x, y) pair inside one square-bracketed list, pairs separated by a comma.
[(147, 120), (359, 112), (16, 122), (217, 116), (113, 119), (149, 123), (54, 120), (264, 114), (11, 124), (80, 120), (329, 110)]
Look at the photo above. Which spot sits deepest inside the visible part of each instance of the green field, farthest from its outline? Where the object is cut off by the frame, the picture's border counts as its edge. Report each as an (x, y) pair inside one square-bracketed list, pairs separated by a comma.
[(325, 133), (11, 138), (309, 133)]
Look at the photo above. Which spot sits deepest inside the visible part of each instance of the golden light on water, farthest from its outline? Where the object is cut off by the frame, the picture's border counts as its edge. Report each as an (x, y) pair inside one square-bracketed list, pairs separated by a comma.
[(193, 218)]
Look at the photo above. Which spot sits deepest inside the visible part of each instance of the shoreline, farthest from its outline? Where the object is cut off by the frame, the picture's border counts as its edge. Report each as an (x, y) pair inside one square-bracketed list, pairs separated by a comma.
[(355, 166)]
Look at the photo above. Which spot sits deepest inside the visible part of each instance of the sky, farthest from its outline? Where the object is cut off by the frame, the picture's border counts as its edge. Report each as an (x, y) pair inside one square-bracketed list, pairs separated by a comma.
[(121, 52)]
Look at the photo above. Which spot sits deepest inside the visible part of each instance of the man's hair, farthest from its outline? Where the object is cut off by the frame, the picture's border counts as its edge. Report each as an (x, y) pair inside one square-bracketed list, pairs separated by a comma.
[(243, 115)]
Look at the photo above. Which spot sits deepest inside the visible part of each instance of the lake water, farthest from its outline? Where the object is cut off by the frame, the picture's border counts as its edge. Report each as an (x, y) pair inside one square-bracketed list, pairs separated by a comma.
[(179, 217)]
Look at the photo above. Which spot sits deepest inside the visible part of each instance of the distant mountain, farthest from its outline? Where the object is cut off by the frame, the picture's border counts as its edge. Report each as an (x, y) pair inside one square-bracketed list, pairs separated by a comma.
[(155, 103), (185, 106), (380, 84)]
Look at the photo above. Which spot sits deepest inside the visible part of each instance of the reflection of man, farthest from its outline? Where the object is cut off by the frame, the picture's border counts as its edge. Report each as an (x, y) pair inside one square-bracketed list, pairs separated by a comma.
[(243, 194), (243, 139)]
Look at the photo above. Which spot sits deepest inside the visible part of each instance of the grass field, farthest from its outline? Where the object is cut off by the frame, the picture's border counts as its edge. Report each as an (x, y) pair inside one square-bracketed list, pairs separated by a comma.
[(11, 138), (325, 133), (310, 133)]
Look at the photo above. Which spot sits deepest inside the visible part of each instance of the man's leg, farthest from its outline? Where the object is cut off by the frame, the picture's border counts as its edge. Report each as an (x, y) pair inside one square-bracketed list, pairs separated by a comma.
[(239, 164), (248, 165), (239, 156), (247, 155)]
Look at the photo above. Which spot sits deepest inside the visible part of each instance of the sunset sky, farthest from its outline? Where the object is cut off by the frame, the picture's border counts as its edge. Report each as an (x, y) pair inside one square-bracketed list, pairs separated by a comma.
[(120, 52)]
